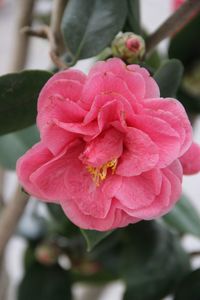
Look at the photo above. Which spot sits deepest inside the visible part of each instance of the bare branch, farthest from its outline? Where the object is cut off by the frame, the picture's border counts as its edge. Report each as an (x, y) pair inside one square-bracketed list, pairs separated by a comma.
[(10, 216), (173, 24), (20, 47)]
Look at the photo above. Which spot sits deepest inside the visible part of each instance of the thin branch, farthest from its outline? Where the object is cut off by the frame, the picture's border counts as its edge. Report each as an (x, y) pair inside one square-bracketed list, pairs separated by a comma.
[(55, 25), (10, 216), (46, 33), (20, 48), (173, 24), (52, 33)]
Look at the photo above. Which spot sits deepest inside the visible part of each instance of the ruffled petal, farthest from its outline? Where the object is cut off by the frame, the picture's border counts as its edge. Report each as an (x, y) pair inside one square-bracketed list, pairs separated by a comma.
[(172, 111), (191, 160), (106, 147), (140, 154), (163, 135), (32, 160)]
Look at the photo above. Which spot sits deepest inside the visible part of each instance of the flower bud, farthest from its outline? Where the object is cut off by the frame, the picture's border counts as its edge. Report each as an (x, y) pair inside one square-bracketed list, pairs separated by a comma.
[(47, 254), (128, 46)]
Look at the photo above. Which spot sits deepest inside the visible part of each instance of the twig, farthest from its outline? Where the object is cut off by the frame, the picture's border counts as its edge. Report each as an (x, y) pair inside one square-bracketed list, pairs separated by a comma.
[(10, 216), (195, 253), (56, 18), (173, 24), (52, 33), (20, 49)]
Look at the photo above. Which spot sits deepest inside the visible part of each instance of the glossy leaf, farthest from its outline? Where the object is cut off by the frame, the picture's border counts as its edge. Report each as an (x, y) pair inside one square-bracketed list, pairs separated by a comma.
[(168, 77), (184, 218), (134, 15), (45, 282), (94, 237), (90, 26), (185, 45), (189, 289), (14, 145), (18, 99)]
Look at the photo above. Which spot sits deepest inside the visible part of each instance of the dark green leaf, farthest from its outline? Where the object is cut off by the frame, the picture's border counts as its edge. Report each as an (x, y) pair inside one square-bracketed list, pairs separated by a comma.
[(185, 45), (45, 283), (184, 218), (154, 262), (14, 145), (94, 237), (168, 77), (18, 99), (134, 15), (189, 289), (90, 26)]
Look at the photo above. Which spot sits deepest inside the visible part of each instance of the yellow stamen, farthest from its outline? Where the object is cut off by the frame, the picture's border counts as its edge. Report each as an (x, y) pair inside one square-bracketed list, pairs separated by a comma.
[(100, 173)]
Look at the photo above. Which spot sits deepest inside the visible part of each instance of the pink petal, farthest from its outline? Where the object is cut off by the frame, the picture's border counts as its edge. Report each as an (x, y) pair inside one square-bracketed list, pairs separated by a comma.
[(110, 113), (151, 88), (109, 84), (134, 80), (49, 179), (191, 160), (67, 89), (56, 138), (62, 109), (163, 135), (106, 147), (90, 129), (28, 164), (139, 191), (140, 154), (102, 100), (173, 112)]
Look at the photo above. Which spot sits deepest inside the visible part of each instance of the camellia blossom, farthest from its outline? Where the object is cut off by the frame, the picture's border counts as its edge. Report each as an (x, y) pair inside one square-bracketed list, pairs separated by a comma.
[(110, 146)]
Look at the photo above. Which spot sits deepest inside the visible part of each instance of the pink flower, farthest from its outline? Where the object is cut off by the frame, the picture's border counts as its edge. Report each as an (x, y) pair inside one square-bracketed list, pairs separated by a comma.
[(110, 146)]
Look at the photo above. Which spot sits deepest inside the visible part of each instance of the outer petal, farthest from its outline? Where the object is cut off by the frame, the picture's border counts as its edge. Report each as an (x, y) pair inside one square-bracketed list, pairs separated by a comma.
[(173, 112), (32, 160), (151, 87), (191, 160), (73, 75), (139, 191), (140, 154), (134, 80), (106, 83), (163, 135), (49, 179)]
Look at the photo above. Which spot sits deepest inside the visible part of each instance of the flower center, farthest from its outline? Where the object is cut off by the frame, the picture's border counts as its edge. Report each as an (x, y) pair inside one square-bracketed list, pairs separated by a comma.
[(100, 173)]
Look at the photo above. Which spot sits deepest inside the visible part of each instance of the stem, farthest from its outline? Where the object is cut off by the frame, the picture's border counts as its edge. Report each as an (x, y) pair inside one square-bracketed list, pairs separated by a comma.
[(20, 48), (10, 216), (55, 24), (173, 24)]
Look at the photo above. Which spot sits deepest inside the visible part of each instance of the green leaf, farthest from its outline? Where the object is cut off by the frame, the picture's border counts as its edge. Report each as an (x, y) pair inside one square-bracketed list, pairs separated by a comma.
[(184, 218), (134, 16), (90, 26), (147, 257), (185, 45), (154, 262), (45, 283), (18, 99), (168, 77), (94, 237), (14, 145), (189, 289)]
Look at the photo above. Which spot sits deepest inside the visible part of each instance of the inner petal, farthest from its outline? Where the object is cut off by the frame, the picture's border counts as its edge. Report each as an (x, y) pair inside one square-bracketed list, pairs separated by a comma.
[(108, 146)]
